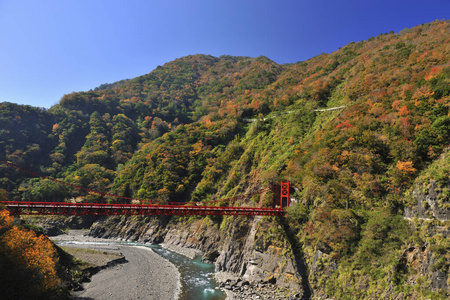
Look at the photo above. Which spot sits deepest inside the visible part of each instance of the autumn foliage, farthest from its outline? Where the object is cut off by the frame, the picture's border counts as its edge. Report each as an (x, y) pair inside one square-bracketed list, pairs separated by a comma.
[(203, 127), (27, 262)]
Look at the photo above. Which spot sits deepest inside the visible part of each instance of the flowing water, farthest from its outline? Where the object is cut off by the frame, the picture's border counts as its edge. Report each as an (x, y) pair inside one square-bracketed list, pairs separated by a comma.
[(197, 278)]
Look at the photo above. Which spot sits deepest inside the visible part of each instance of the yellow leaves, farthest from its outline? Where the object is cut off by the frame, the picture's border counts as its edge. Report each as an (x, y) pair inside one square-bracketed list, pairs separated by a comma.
[(406, 167), (377, 109), (180, 189), (5, 219), (36, 254), (197, 148), (422, 93), (57, 157), (117, 142)]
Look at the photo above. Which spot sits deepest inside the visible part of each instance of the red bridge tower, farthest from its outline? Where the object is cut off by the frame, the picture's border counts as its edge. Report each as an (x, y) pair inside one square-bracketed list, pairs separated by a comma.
[(284, 194)]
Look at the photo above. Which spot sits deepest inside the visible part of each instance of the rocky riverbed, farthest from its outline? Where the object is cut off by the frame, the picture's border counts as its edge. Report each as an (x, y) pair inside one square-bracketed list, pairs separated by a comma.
[(237, 288), (142, 274), (239, 249), (145, 274)]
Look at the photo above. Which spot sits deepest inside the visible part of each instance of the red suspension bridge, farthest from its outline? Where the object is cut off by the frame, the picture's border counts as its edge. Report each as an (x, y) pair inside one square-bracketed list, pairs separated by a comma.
[(215, 207)]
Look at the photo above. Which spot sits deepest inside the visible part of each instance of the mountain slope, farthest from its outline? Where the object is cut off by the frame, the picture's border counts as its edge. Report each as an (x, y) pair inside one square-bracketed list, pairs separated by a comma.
[(202, 128)]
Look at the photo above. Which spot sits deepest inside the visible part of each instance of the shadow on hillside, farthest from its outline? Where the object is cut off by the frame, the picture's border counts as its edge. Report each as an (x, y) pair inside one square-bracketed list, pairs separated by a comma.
[(299, 257)]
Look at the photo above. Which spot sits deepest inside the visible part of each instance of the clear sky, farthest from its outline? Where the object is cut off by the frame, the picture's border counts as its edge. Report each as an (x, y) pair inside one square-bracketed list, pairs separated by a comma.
[(49, 48)]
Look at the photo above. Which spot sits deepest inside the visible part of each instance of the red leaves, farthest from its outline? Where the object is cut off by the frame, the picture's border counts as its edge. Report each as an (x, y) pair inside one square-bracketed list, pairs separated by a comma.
[(344, 125)]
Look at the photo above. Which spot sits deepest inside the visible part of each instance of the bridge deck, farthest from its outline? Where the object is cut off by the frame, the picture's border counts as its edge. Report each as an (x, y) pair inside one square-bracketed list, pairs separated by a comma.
[(63, 208)]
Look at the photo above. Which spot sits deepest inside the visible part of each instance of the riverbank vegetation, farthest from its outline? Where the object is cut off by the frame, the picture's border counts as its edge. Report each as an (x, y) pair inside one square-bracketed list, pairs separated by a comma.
[(31, 266)]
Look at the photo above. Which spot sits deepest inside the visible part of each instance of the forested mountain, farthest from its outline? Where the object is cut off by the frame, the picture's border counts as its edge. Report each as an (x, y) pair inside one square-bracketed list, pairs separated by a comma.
[(202, 127)]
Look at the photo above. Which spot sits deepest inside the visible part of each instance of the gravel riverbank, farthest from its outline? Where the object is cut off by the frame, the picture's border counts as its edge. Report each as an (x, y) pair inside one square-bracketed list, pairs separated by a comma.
[(145, 275)]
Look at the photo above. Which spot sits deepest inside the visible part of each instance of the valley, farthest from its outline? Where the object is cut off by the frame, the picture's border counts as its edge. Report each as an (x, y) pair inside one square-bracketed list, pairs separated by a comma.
[(362, 135)]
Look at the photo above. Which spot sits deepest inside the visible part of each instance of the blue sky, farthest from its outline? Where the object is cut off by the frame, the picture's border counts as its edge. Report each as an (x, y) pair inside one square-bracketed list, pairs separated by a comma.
[(52, 48)]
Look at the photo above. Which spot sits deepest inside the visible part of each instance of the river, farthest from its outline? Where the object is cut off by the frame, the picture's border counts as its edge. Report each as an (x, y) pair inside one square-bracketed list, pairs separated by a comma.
[(143, 276), (197, 278)]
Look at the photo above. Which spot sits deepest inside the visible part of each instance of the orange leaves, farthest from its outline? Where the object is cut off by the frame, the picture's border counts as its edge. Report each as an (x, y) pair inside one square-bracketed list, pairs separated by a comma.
[(5, 219), (406, 88), (405, 127), (422, 93), (197, 148), (163, 192), (406, 167), (396, 104), (403, 111), (36, 255), (433, 73)]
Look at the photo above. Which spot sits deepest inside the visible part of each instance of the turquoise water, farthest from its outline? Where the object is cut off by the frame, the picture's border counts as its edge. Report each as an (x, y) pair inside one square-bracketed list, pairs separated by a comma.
[(197, 278)]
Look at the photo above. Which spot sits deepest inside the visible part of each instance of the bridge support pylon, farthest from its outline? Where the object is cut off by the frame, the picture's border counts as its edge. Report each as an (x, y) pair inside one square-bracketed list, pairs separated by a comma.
[(284, 194)]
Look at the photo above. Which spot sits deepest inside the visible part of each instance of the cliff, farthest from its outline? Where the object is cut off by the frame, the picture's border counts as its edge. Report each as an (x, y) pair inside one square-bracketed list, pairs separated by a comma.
[(248, 248)]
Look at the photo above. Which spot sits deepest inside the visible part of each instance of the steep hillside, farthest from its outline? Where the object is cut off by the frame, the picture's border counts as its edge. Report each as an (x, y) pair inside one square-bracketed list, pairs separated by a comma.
[(202, 128)]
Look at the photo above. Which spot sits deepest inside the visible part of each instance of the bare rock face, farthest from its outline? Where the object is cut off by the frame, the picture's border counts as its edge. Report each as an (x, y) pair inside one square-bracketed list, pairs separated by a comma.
[(239, 247), (429, 215), (320, 267), (432, 202), (270, 267), (56, 225), (210, 257), (422, 260), (272, 264)]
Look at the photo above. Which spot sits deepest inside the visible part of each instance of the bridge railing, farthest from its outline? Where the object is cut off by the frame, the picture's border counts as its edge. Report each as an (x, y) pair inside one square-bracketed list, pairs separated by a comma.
[(64, 208), (147, 205)]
